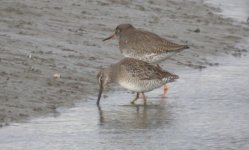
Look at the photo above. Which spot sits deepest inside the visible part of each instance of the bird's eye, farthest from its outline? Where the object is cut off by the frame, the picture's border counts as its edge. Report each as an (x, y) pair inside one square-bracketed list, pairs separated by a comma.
[(100, 78), (118, 30)]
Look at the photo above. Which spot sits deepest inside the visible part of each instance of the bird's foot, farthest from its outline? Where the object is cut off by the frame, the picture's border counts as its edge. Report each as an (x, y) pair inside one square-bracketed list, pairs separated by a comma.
[(136, 98), (165, 89), (132, 102)]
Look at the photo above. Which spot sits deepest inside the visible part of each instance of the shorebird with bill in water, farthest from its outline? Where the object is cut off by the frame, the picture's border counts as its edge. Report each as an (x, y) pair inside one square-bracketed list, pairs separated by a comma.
[(135, 75), (144, 45)]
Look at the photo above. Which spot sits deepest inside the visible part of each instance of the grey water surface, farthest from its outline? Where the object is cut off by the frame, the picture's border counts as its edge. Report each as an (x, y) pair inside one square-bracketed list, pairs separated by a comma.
[(236, 9)]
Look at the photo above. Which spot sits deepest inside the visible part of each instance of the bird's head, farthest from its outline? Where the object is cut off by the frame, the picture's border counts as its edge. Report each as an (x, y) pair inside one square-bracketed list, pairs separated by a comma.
[(103, 78), (120, 29)]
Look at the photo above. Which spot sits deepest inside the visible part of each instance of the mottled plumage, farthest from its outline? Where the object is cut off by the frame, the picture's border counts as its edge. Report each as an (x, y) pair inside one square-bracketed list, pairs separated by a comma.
[(144, 45), (142, 70), (134, 75)]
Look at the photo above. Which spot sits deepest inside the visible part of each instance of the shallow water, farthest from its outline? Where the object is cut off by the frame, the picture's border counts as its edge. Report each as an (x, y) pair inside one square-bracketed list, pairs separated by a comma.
[(203, 110), (238, 10)]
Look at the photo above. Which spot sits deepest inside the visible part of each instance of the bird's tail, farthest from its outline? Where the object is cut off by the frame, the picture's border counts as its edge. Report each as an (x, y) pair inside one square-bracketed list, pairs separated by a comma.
[(182, 47), (177, 48), (170, 77)]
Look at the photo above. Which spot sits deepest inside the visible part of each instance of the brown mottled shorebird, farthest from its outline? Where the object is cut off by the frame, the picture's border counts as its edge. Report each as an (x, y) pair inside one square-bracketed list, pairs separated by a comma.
[(144, 45), (135, 75)]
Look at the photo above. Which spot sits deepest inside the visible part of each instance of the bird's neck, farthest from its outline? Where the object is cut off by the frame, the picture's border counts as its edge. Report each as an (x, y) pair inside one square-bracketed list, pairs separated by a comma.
[(127, 33), (111, 72)]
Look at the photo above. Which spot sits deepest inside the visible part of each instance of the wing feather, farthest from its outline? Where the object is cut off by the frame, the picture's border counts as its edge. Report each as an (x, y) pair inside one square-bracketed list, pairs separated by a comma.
[(143, 70), (146, 41)]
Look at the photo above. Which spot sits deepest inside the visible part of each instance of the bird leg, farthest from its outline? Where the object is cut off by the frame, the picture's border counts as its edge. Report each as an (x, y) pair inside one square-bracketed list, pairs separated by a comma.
[(145, 100), (136, 98), (165, 89)]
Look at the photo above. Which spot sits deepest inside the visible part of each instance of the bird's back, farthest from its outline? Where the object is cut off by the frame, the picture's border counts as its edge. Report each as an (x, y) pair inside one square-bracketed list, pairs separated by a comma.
[(147, 42), (141, 70), (147, 46)]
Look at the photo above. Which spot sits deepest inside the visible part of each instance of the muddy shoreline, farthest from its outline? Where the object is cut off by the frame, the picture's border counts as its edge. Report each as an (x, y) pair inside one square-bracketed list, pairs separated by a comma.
[(41, 38)]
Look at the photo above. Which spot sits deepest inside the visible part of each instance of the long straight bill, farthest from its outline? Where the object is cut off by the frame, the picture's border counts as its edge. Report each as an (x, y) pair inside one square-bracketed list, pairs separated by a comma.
[(100, 92), (110, 37)]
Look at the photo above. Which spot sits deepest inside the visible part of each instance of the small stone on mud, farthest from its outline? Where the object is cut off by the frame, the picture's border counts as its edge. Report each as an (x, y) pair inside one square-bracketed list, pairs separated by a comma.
[(197, 30), (23, 115), (83, 12), (92, 58), (29, 56), (52, 107), (37, 109), (57, 75)]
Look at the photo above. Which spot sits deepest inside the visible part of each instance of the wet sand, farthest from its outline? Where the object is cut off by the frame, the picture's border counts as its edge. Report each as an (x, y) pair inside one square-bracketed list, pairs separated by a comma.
[(41, 38)]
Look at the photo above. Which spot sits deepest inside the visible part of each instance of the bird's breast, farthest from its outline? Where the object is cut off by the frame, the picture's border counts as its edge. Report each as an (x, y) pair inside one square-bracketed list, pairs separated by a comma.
[(140, 85)]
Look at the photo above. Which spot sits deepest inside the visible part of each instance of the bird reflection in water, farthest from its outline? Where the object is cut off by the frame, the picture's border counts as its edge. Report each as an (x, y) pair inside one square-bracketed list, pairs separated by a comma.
[(136, 116)]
